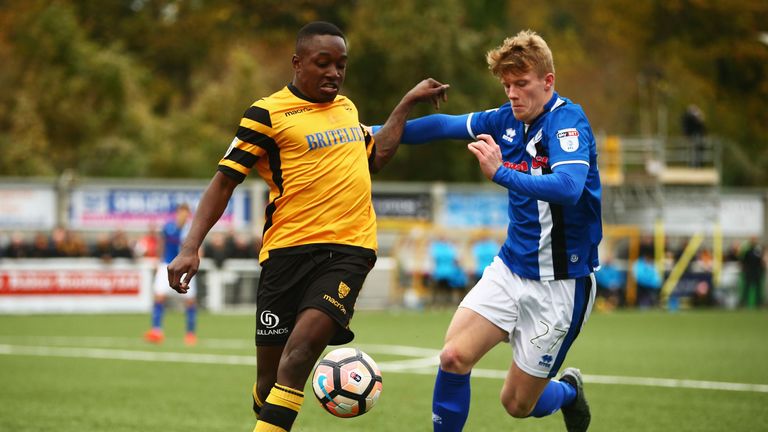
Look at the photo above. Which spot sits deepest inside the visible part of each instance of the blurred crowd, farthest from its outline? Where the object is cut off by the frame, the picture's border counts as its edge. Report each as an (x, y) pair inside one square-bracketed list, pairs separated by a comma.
[(451, 267), (65, 243), (438, 268), (740, 281)]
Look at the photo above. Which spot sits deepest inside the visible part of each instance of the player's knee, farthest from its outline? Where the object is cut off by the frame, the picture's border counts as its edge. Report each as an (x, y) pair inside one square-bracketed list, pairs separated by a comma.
[(516, 408), (454, 361)]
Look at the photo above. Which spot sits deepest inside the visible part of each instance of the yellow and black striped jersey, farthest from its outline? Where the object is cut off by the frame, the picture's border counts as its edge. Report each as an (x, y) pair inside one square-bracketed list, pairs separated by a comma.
[(315, 159)]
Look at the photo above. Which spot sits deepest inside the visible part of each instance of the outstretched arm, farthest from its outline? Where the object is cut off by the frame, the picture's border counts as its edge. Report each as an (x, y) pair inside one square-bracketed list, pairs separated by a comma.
[(434, 127), (563, 186), (387, 138), (212, 205)]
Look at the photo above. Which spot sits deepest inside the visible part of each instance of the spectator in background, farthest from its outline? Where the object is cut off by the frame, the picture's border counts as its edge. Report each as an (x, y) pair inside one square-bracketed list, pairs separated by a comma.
[(120, 247), (5, 240), (647, 245), (694, 128), (240, 246), (41, 247), (483, 252), (648, 281), (73, 246), (216, 249), (172, 235), (59, 242), (753, 271), (148, 245), (701, 269), (17, 246), (448, 279), (102, 247), (109, 246), (733, 253), (222, 247), (611, 285)]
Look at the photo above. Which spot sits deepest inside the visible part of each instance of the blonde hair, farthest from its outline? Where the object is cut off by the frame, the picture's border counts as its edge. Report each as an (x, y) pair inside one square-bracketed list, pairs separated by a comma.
[(520, 54)]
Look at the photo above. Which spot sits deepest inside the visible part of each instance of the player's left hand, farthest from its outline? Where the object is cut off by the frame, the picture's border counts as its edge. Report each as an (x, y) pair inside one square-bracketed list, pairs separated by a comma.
[(429, 90), (487, 153)]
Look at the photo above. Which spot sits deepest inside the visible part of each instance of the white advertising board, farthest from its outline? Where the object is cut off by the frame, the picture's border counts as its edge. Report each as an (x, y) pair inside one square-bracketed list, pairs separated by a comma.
[(28, 208), (135, 208)]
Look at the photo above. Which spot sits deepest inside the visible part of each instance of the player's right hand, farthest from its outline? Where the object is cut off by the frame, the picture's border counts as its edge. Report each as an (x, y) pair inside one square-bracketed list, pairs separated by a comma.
[(429, 90), (488, 154), (181, 270)]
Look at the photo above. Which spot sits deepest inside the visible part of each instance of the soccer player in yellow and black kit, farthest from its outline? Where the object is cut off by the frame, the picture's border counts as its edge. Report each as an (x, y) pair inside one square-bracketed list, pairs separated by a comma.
[(308, 145)]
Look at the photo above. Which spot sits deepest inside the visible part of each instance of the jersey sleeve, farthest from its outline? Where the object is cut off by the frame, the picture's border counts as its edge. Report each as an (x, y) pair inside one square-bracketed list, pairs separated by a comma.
[(370, 145), (484, 122), (252, 138), (569, 137), (445, 126), (563, 186), (432, 128)]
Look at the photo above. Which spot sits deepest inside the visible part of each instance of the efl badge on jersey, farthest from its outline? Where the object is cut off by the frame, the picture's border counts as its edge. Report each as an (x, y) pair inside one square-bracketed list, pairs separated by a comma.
[(343, 290), (569, 139)]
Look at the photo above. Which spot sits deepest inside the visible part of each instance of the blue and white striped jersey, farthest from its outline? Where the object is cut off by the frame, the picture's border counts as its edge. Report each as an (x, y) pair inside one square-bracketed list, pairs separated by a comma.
[(547, 240)]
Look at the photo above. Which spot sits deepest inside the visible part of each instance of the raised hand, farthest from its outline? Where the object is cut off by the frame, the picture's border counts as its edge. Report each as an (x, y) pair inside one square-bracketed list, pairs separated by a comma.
[(429, 90)]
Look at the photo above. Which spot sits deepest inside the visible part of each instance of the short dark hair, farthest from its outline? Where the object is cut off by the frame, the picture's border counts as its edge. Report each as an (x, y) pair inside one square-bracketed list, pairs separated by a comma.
[(317, 28)]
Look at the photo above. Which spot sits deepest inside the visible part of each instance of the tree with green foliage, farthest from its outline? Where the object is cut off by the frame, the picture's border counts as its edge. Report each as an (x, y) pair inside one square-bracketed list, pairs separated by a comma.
[(154, 88)]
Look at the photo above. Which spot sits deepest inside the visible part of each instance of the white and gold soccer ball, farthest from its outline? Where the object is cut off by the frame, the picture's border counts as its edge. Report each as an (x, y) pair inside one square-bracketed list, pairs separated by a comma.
[(347, 382)]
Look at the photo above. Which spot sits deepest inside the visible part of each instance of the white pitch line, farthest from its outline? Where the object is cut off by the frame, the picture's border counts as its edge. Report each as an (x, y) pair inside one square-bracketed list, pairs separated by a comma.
[(423, 366), (113, 354), (676, 383), (111, 341)]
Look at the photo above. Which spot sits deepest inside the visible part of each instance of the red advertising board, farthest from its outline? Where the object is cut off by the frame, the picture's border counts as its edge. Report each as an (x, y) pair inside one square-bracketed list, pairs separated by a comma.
[(70, 282)]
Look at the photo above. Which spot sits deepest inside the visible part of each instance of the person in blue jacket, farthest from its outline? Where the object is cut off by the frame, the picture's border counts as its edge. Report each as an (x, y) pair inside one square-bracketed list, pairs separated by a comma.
[(539, 291)]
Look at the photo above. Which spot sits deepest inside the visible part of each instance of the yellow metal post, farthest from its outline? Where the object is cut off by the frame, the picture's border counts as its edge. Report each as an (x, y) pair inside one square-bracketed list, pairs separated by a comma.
[(717, 254), (680, 266)]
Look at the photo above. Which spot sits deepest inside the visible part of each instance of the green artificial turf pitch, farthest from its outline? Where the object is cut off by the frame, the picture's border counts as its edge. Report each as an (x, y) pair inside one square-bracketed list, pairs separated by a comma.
[(644, 371)]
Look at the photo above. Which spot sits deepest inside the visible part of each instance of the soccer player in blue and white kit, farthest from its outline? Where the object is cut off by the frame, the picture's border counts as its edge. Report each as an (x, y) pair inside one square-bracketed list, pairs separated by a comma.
[(173, 234), (538, 292)]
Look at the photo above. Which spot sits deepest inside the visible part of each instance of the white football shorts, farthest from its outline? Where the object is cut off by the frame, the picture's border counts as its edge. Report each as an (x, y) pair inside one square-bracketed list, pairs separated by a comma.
[(543, 318), (161, 286)]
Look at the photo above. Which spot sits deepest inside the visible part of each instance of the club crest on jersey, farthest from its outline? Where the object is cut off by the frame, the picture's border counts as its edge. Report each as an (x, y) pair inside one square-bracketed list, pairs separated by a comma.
[(569, 139), (343, 290)]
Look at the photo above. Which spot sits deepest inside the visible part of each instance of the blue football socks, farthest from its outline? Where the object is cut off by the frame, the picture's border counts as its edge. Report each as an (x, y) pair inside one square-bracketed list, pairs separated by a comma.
[(556, 395), (157, 315), (450, 401), (191, 318)]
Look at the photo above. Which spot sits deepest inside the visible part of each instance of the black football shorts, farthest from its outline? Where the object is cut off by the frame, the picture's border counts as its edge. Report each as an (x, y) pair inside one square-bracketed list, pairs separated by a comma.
[(326, 280)]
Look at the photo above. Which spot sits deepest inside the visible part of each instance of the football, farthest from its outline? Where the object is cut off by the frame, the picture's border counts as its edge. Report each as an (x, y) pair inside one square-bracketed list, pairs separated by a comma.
[(347, 382)]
